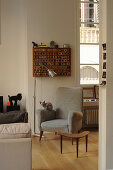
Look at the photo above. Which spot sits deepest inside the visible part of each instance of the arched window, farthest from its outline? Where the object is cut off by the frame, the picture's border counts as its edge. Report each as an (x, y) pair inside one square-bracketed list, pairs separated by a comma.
[(89, 74)]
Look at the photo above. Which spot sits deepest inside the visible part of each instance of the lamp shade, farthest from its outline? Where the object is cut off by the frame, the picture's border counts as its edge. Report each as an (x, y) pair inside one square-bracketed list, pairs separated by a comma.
[(51, 73)]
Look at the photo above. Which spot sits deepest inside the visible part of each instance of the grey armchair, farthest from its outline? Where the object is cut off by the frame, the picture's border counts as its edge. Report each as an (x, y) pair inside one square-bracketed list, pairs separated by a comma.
[(68, 114)]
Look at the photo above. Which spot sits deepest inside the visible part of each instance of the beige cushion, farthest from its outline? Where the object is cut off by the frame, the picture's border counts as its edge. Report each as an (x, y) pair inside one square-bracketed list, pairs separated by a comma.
[(15, 130), (16, 154)]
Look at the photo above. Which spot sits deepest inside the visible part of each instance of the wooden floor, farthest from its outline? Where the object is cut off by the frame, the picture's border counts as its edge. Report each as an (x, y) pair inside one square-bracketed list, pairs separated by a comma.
[(46, 154)]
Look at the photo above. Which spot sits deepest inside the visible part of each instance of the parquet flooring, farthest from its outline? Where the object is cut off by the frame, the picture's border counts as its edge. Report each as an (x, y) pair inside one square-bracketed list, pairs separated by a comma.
[(46, 154)]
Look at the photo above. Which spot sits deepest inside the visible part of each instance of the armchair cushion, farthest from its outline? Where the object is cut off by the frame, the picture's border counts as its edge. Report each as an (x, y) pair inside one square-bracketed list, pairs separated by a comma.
[(45, 115), (74, 115), (74, 121), (57, 125)]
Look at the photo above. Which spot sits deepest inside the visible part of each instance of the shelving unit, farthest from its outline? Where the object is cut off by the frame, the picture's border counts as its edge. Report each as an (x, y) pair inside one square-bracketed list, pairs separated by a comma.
[(56, 59)]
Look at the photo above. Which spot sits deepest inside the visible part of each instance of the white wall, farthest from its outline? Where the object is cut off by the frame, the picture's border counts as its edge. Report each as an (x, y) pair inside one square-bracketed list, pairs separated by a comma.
[(106, 93), (50, 20), (43, 21), (13, 49), (109, 99), (102, 91)]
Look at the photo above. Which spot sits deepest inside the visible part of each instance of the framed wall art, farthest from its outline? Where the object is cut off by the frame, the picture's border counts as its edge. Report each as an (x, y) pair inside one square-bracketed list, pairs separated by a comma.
[(88, 93), (104, 65)]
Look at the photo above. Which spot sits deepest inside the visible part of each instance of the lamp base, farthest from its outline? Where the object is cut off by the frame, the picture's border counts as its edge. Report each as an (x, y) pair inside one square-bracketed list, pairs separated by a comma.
[(37, 135)]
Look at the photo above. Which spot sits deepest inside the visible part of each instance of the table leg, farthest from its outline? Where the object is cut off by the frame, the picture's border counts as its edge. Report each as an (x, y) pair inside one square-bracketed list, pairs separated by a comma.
[(86, 142), (77, 143), (61, 143)]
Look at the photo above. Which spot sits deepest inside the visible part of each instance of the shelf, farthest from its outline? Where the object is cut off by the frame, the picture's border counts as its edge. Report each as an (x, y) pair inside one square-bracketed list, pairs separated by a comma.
[(56, 59)]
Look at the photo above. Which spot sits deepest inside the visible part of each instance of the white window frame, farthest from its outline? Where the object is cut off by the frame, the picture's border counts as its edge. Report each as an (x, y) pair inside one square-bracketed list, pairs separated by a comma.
[(97, 23)]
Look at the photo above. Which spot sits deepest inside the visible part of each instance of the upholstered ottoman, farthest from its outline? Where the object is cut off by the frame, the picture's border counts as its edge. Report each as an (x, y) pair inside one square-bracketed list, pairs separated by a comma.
[(15, 146)]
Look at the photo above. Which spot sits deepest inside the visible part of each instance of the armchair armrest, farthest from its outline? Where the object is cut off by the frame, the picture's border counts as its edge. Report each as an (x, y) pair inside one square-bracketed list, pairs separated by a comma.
[(45, 115), (74, 121)]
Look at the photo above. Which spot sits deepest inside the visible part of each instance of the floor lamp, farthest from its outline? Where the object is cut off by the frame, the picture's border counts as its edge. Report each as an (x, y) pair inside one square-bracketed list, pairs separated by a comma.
[(51, 74)]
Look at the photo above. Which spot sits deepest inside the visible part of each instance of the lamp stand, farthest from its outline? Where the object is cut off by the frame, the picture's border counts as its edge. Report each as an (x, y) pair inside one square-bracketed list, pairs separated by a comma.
[(51, 74), (35, 134), (34, 104)]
